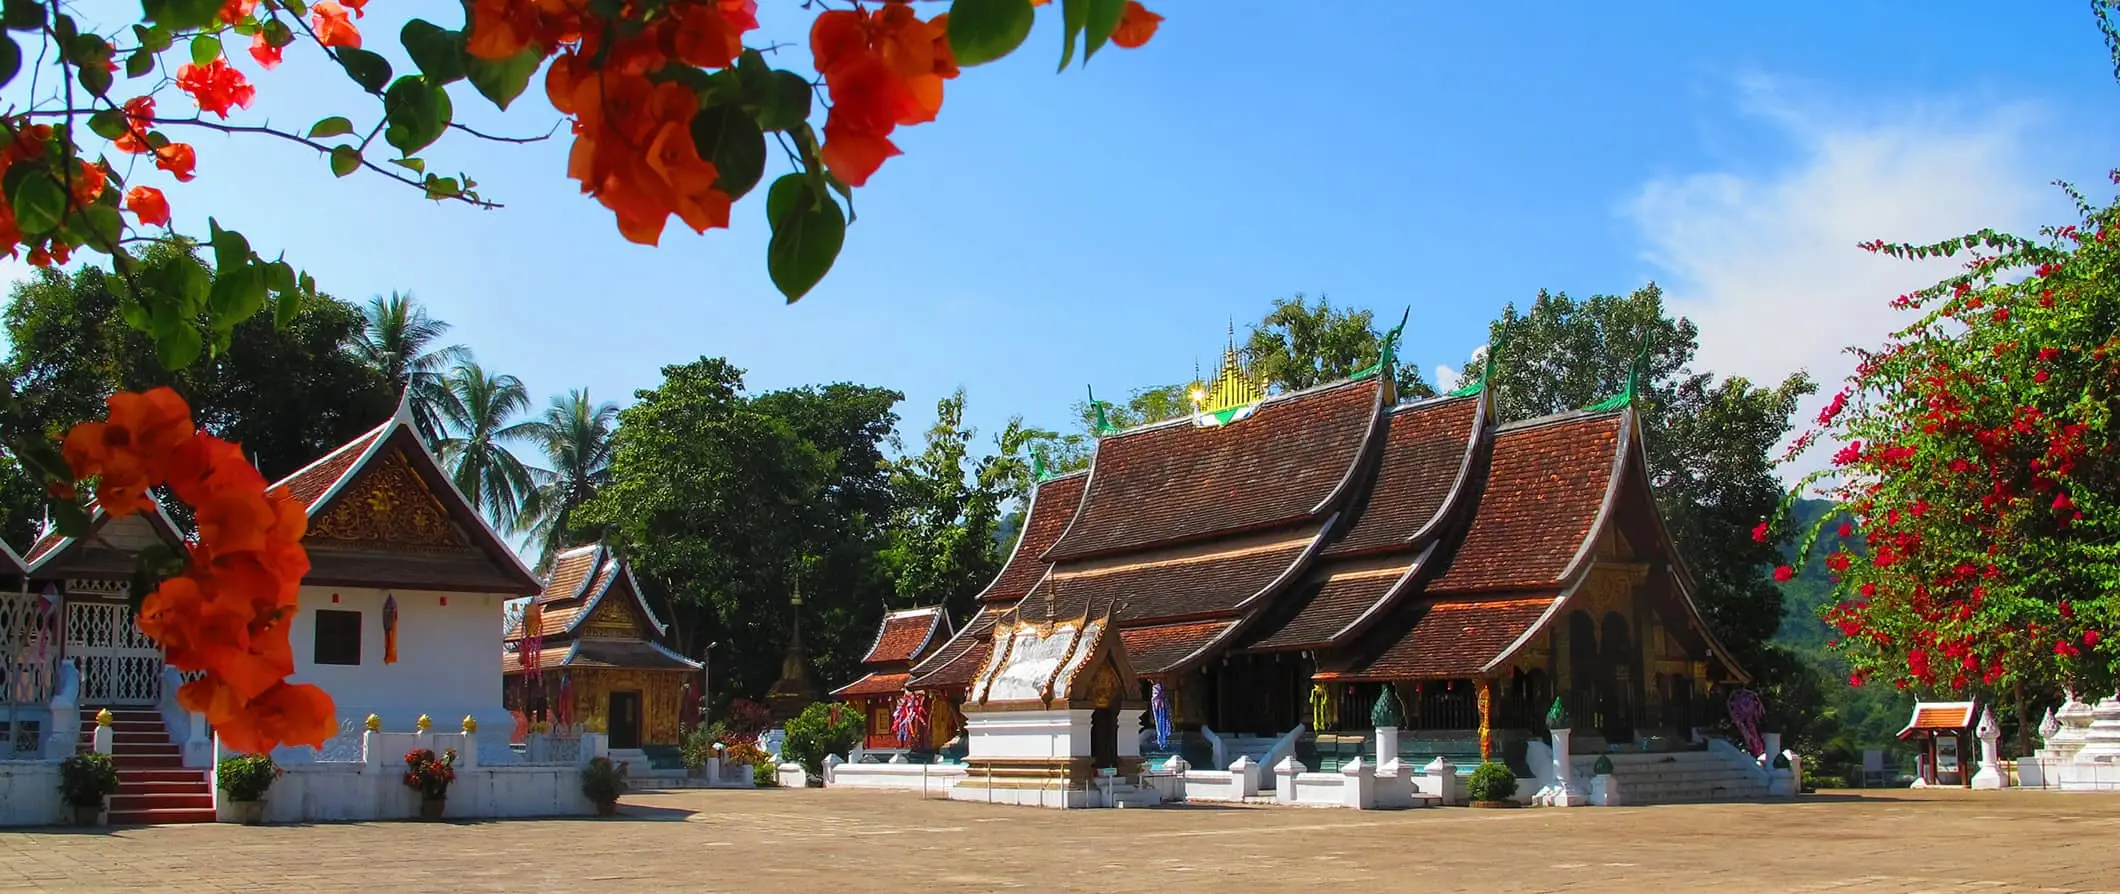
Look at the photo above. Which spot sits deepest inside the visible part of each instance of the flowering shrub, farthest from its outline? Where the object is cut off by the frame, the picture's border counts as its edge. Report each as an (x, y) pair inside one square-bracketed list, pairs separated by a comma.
[(1978, 476), (428, 774), (602, 780), (227, 609), (745, 720), (86, 779), (246, 777)]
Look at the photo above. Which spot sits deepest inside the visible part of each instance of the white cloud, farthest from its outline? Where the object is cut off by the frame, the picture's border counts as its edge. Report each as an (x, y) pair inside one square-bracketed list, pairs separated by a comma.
[(1767, 264), (1448, 378)]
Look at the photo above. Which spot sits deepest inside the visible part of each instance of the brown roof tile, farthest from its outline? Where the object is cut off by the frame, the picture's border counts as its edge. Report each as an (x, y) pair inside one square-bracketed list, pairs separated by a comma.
[(314, 480), (1426, 453), (1333, 603), (1177, 482), (547, 658), (1545, 485), (873, 685), (904, 636), (957, 662), (1052, 507), (1186, 582), (1447, 638), (626, 654), (1155, 650), (45, 544)]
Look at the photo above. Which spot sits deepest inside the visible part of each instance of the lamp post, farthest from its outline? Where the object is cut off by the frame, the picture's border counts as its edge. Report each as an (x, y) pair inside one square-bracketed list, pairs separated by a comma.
[(706, 682)]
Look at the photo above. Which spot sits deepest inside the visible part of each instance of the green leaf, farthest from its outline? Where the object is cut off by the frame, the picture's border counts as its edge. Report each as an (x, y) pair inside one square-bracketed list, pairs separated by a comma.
[(153, 39), (808, 230), (10, 59), (279, 276), (94, 78), (345, 160), (139, 64), (277, 33), (187, 280), (178, 346), (1074, 14), (417, 112), (1104, 16), (182, 15), (238, 294), (108, 124), (438, 52), (41, 457), (411, 164), (731, 140), (367, 69), (25, 15), (230, 249), (70, 517), (286, 306), (297, 7), (334, 126), (205, 48), (784, 102), (503, 81), (982, 31), (439, 188), (104, 226), (37, 200)]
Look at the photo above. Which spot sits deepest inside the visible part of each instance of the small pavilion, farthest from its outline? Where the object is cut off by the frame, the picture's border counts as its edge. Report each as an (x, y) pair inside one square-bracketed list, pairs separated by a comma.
[(1942, 736), (903, 639)]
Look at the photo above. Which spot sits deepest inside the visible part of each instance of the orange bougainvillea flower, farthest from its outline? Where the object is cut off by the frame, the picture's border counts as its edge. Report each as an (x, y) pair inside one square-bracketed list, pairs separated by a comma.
[(129, 453), (1136, 26), (178, 159), (882, 68), (88, 181), (287, 714), (501, 28), (216, 86), (710, 35), (332, 26), (233, 11), (262, 50), (147, 203), (359, 7), (139, 119)]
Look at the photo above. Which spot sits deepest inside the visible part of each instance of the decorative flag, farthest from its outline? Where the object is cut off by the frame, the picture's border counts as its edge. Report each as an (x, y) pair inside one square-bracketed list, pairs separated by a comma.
[(1320, 708), (1159, 707), (389, 629), (563, 710), (531, 652), (1486, 702), (910, 716), (1747, 711)]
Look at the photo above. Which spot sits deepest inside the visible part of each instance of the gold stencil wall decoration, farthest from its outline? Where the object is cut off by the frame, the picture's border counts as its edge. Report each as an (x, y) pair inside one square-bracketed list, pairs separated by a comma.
[(389, 506)]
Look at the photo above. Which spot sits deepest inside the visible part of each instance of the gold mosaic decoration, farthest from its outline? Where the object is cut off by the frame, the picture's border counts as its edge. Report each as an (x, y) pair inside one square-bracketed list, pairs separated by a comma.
[(611, 620), (389, 506)]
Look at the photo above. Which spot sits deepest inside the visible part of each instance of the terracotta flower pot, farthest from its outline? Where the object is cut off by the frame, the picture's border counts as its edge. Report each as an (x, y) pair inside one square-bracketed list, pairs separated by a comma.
[(607, 808), (88, 814), (251, 813), (431, 808)]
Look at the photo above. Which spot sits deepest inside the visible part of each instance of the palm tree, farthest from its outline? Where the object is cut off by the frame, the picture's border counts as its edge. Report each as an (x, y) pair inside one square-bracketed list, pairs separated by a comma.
[(575, 436), (477, 413), (398, 341)]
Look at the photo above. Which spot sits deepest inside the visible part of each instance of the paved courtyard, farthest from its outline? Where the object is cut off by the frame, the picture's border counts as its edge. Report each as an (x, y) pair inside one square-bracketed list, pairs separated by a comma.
[(771, 840)]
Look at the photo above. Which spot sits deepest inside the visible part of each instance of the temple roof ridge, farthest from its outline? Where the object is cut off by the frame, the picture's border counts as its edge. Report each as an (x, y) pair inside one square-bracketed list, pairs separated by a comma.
[(1560, 417)]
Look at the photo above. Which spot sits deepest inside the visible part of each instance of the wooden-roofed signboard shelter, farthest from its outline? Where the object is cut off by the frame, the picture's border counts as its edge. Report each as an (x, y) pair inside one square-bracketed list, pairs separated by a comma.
[(903, 638), (597, 645), (1280, 563), (1942, 736)]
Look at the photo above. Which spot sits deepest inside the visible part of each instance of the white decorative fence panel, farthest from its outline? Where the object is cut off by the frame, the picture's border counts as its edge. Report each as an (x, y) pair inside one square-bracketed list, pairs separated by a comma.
[(119, 664)]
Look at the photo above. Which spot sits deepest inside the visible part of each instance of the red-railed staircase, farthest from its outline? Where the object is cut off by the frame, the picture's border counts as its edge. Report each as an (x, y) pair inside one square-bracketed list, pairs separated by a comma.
[(154, 786)]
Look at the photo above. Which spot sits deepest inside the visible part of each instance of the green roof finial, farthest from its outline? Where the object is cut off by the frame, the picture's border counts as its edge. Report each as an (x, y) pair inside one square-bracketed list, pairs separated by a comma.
[(1103, 424), (1494, 349), (1557, 716), (1635, 380), (1387, 348), (1386, 713), (1038, 470)]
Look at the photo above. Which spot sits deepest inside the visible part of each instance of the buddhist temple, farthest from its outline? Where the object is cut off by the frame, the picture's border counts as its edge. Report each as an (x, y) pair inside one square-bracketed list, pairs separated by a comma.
[(1277, 567), (903, 638), (589, 650)]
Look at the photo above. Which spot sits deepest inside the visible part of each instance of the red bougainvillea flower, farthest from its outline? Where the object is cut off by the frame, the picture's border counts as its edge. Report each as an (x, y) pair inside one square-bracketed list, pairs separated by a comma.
[(263, 51), (2091, 638), (1759, 533), (359, 7), (233, 11), (882, 68), (1784, 574), (178, 159), (128, 453), (139, 118), (147, 203), (1136, 26), (333, 27), (216, 86)]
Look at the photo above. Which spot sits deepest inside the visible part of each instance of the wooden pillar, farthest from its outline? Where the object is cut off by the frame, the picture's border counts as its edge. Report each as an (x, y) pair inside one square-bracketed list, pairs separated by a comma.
[(1486, 716)]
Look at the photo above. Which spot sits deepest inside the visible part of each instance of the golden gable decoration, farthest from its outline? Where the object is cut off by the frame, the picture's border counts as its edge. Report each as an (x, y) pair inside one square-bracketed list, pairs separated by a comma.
[(389, 506)]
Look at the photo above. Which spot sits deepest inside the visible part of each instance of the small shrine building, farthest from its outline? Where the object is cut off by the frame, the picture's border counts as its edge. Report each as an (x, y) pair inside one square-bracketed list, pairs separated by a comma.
[(1275, 565), (903, 638), (589, 650), (1941, 734)]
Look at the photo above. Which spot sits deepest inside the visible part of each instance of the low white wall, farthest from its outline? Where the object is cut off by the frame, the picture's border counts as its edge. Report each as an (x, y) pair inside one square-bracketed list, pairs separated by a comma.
[(1031, 734), (344, 792), (29, 793), (1318, 790), (935, 778)]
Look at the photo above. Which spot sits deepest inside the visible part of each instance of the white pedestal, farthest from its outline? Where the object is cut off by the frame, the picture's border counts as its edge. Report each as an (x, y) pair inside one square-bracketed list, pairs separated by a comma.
[(1564, 791), (1605, 791), (1387, 744)]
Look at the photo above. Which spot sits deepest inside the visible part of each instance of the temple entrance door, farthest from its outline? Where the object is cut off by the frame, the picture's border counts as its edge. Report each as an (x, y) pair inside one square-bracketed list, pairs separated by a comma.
[(625, 720), (1104, 737), (119, 664)]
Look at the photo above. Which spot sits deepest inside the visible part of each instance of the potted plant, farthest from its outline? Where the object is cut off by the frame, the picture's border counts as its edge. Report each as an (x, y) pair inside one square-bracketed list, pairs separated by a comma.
[(85, 780), (1493, 784), (430, 776), (603, 781), (245, 779)]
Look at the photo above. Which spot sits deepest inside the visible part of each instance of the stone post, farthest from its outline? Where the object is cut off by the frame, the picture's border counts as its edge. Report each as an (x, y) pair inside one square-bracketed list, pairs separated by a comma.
[(713, 770), (1990, 733), (1358, 783), (792, 775), (372, 756), (1394, 785), (1564, 791), (467, 757), (1286, 771), (1440, 778), (1387, 744), (1244, 777), (1387, 718), (1772, 741), (101, 738), (1605, 788), (831, 768)]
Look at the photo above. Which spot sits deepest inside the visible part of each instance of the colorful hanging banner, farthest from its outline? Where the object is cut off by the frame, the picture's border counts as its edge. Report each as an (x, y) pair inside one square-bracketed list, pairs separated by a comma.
[(1747, 711), (910, 716), (390, 624), (1486, 730), (1159, 709)]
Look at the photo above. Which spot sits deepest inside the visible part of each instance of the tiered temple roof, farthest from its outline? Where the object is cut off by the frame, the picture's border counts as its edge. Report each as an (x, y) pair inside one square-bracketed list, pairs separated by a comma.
[(592, 613), (903, 638), (1392, 542)]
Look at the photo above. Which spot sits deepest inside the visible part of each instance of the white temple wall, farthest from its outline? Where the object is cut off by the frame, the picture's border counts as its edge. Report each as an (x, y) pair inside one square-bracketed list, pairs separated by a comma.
[(445, 667), (29, 793), (1027, 734)]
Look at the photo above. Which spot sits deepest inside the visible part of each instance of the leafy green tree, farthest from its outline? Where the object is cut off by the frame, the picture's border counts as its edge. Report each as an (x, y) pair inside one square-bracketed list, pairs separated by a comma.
[(478, 416), (945, 538), (398, 339), (574, 434), (1300, 345)]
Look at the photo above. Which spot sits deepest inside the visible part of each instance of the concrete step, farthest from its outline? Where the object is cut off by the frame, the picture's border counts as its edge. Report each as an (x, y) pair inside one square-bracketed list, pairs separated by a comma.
[(158, 775), (131, 802), (162, 816)]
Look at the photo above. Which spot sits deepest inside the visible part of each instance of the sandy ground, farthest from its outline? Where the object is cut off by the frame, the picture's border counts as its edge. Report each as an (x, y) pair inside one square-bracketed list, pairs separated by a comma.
[(841, 840)]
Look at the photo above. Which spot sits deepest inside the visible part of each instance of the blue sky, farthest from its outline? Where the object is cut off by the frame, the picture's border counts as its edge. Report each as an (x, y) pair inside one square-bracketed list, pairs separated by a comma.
[(1100, 227)]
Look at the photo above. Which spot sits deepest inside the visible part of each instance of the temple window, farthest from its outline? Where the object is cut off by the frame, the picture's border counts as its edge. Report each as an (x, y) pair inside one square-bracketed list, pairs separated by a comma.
[(338, 637)]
